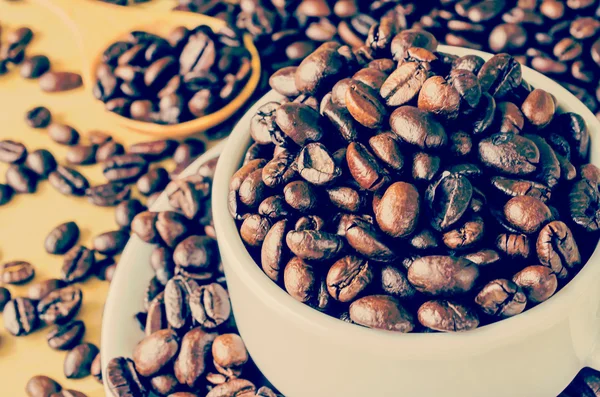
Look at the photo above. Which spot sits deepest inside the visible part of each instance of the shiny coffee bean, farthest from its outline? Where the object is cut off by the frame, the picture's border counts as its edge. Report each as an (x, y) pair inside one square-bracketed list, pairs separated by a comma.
[(538, 282), (35, 66), (527, 213), (502, 149), (513, 245), (62, 238), (16, 272), (108, 194), (41, 162), (63, 134), (418, 127), (502, 298), (557, 249), (21, 179), (78, 361), (78, 263), (110, 243), (12, 152), (60, 81), (500, 75), (40, 289), (425, 274), (124, 168), (447, 316), (66, 336), (60, 306), (210, 305), (155, 351), (122, 379), (381, 312), (107, 150), (38, 117), (20, 316), (191, 361)]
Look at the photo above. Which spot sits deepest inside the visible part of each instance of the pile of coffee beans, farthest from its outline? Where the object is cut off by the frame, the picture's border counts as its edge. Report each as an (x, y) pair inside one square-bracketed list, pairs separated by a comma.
[(411, 190), (556, 37), (12, 53), (192, 346), (189, 74)]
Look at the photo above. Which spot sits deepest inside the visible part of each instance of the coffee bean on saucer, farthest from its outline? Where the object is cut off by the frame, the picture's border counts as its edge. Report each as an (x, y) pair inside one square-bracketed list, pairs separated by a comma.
[(17, 272), (78, 361), (35, 66), (126, 211), (62, 238), (153, 181), (60, 81), (110, 243), (122, 378), (38, 117)]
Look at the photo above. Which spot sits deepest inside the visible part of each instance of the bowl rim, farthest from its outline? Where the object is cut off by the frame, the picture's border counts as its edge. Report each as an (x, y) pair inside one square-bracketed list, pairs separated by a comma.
[(473, 342)]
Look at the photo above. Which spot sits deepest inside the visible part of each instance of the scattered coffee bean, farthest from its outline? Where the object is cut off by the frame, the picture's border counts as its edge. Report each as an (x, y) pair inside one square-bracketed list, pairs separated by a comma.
[(108, 194), (60, 306), (38, 117), (21, 179), (66, 336), (78, 263), (78, 361), (35, 66), (110, 243), (4, 298), (62, 238), (68, 181), (42, 386), (20, 316), (17, 272), (126, 211), (82, 154), (12, 152), (41, 162), (63, 134), (60, 81)]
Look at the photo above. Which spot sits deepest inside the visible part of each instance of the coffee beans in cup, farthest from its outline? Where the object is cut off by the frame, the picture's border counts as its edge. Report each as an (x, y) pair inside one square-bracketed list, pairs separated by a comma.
[(430, 196)]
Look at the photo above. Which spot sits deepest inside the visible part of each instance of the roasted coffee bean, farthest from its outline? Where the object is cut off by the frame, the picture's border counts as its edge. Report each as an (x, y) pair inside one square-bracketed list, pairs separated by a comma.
[(254, 229), (60, 306), (397, 213), (315, 165), (42, 386), (364, 106), (395, 282), (122, 379), (300, 280), (314, 245), (507, 37), (4, 297), (41, 162), (459, 275), (364, 167), (78, 263), (502, 298), (388, 150), (155, 352), (21, 179), (526, 213), (196, 254), (274, 250), (188, 150), (439, 96), (16, 272), (78, 361), (124, 168), (126, 210), (229, 354), (172, 227), (188, 194), (425, 166), (299, 122), (472, 63), (6, 193), (35, 66), (68, 181), (538, 282), (467, 235), (418, 127), (20, 316), (66, 336), (60, 81), (143, 225), (319, 70), (156, 319), (368, 241), (107, 150), (447, 316), (283, 81), (40, 289), (511, 118), (96, 368), (381, 312), (110, 243), (62, 238), (513, 245), (557, 249), (82, 155), (549, 170), (154, 150), (404, 83), (539, 108), (572, 127), (448, 198), (253, 190), (274, 207), (509, 153), (412, 38), (210, 305), (63, 134), (500, 75), (233, 387), (348, 277), (38, 117), (108, 194), (12, 152), (193, 355)]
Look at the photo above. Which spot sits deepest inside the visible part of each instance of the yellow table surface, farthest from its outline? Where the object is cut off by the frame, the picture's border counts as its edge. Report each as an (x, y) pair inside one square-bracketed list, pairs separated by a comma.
[(26, 220)]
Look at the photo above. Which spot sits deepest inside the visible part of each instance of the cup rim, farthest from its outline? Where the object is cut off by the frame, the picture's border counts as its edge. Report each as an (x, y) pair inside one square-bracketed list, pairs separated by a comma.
[(238, 260)]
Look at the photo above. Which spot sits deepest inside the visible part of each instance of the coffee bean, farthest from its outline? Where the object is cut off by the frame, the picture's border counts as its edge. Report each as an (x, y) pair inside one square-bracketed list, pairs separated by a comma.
[(527, 213), (35, 66), (320, 69), (63, 134), (314, 245), (110, 243), (460, 275), (122, 379), (17, 272), (20, 316), (82, 155), (283, 81), (78, 361), (506, 148), (6, 193), (368, 241), (501, 297), (196, 254), (191, 360), (96, 368), (500, 75), (68, 181), (154, 150), (155, 351), (126, 210), (108, 194), (229, 353), (60, 81), (38, 117), (514, 245), (557, 249), (143, 225), (41, 386), (232, 387), (549, 171), (412, 38), (539, 108), (418, 127), (60, 306), (21, 179), (538, 282), (300, 280), (78, 263), (404, 83), (153, 181), (12, 152), (97, 137), (348, 277), (66, 336), (210, 305), (41, 162), (124, 168), (108, 150), (176, 298), (364, 106), (4, 298), (62, 238), (397, 213), (299, 122), (447, 316), (382, 312)]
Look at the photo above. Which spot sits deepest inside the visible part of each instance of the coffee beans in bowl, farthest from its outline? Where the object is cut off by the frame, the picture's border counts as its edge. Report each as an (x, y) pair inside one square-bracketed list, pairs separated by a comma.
[(424, 196), (187, 75)]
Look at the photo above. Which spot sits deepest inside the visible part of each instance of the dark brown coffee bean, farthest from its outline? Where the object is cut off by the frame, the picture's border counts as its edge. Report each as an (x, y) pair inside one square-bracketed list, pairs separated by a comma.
[(153, 181), (472, 63), (122, 379), (210, 305), (176, 301), (465, 236), (20, 316), (567, 49), (368, 241), (448, 198), (500, 75), (283, 81), (78, 262), (319, 70), (300, 280), (16, 272), (397, 213), (62, 238), (299, 122), (425, 166), (12, 152), (109, 149), (63, 134), (155, 352), (82, 155), (381, 312), (193, 355), (274, 207), (440, 97), (388, 150), (110, 243), (60, 306), (6, 193), (510, 117), (274, 250), (365, 169), (549, 171), (538, 282), (68, 181), (154, 150), (521, 187), (502, 149), (539, 108), (66, 336), (40, 289), (78, 361), (253, 190), (4, 297), (447, 316), (35, 66), (233, 387), (188, 194), (96, 368), (573, 128), (60, 81), (124, 168), (316, 165), (418, 127), (348, 277), (188, 150), (513, 245), (459, 275), (196, 254), (502, 298), (364, 106), (404, 83), (172, 227), (314, 245), (41, 162), (412, 38), (527, 213), (108, 194), (21, 179), (41, 386), (557, 249), (143, 225), (38, 117), (254, 229), (126, 210)]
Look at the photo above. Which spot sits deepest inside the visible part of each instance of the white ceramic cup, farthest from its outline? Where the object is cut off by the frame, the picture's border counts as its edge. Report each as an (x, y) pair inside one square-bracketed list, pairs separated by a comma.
[(307, 353)]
